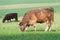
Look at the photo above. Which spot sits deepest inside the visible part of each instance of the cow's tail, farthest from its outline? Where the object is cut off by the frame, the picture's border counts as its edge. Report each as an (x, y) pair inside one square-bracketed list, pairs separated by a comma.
[(53, 24), (53, 20)]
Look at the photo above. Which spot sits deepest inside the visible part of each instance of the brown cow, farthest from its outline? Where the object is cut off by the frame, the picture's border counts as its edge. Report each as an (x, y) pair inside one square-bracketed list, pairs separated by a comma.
[(10, 16), (40, 15)]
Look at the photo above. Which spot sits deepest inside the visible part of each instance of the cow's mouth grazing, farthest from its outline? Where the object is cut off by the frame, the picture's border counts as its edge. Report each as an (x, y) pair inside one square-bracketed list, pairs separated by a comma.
[(22, 28)]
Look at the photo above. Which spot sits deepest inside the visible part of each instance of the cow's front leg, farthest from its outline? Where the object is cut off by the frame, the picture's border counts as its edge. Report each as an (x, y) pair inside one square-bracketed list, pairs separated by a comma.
[(48, 26), (26, 28)]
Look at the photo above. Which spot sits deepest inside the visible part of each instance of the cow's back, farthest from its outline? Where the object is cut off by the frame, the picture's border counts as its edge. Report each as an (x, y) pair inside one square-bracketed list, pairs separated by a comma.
[(41, 14), (10, 16), (44, 14)]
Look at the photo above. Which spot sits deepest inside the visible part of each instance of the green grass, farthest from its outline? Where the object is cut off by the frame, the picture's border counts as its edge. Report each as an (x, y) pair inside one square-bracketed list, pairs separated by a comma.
[(31, 36), (10, 30), (22, 11), (7, 2)]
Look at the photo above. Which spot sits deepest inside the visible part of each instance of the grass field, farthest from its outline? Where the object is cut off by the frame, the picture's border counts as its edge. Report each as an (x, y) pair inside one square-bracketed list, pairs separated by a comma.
[(11, 31), (7, 2), (22, 11)]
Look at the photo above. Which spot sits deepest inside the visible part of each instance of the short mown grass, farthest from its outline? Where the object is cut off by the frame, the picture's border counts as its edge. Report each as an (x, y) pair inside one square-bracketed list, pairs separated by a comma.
[(7, 2), (11, 31), (31, 36), (22, 11)]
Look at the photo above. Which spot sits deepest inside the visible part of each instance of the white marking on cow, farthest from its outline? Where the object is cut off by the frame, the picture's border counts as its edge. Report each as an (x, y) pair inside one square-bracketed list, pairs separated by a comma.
[(47, 28), (26, 28)]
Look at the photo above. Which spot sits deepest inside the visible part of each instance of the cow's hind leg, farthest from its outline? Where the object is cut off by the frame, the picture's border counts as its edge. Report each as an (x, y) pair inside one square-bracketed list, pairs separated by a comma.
[(48, 26), (34, 27), (16, 19)]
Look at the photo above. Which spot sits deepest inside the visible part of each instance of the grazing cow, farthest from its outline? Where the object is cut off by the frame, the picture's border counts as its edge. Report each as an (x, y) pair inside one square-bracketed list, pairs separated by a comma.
[(10, 16), (40, 15)]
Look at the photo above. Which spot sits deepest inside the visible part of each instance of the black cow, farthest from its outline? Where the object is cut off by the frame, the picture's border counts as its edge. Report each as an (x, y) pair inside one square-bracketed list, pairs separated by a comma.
[(10, 16)]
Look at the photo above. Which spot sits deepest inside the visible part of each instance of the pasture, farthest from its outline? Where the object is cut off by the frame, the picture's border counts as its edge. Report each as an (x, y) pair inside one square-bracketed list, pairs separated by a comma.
[(11, 31), (7, 2)]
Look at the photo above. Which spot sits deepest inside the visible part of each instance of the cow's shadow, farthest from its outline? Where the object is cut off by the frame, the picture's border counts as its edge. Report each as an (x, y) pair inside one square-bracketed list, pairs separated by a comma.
[(11, 21), (39, 30), (14, 21)]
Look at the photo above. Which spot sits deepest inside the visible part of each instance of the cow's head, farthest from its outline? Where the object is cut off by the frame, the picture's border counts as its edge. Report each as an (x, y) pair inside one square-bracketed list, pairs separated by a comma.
[(22, 26)]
